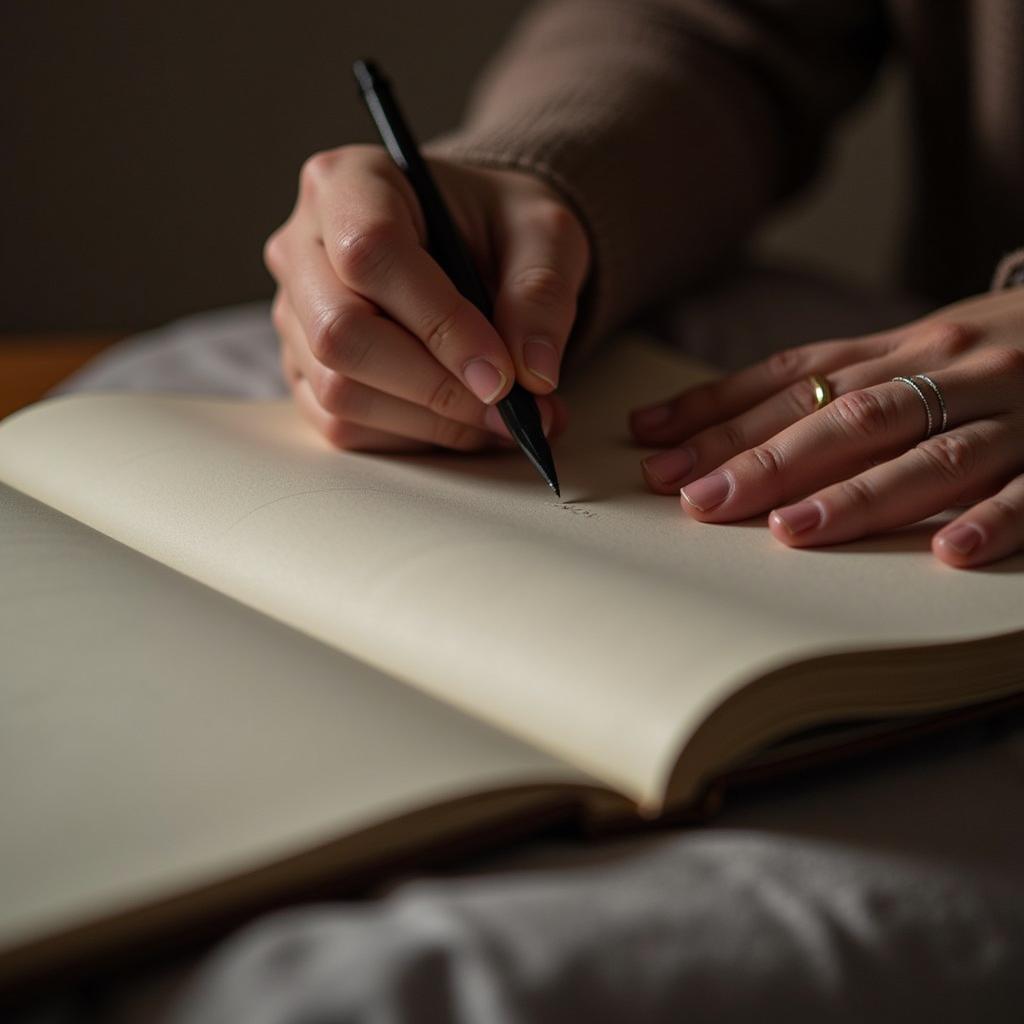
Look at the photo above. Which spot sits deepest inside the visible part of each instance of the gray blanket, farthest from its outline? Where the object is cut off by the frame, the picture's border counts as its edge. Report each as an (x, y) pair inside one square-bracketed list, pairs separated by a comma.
[(885, 893), (890, 890)]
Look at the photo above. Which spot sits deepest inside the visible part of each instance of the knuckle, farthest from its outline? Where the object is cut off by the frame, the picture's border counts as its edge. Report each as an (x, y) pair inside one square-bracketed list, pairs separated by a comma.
[(445, 397), (273, 257), (951, 456), (734, 435), (329, 326), (460, 436), (440, 330), (542, 286), (863, 413), (352, 346), (800, 398), (364, 251), (946, 340), (316, 168), (1007, 360), (555, 218), (786, 364), (337, 394), (856, 494), (769, 459), (278, 312), (350, 343), (1009, 511)]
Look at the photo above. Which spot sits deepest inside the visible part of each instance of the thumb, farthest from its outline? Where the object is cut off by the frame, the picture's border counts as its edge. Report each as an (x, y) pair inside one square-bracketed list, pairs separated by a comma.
[(543, 265)]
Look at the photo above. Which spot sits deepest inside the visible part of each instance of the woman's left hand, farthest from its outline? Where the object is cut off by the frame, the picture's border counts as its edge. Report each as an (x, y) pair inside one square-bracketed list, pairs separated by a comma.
[(754, 442)]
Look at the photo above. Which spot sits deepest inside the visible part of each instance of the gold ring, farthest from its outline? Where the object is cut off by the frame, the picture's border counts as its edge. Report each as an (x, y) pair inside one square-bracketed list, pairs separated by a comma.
[(822, 392)]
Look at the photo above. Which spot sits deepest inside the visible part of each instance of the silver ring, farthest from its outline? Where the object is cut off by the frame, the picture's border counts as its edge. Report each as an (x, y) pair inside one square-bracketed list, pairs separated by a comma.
[(924, 401), (938, 395)]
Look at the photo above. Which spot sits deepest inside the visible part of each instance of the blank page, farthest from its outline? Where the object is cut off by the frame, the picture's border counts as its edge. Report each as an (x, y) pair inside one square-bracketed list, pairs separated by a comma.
[(602, 628), (155, 735)]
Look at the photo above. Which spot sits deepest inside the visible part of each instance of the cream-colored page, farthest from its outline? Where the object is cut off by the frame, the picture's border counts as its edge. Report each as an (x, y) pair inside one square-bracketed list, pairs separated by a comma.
[(602, 627), (156, 736)]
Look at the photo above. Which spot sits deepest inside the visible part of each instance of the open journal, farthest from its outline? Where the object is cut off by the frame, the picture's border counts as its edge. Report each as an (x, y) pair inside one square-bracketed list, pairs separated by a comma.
[(237, 663)]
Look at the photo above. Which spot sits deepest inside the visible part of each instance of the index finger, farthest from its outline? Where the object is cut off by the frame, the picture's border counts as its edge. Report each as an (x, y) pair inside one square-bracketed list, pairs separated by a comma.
[(374, 249)]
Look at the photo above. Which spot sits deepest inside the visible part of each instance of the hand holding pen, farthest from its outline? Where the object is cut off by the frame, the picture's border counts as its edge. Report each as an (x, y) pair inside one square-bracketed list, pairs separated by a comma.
[(381, 351)]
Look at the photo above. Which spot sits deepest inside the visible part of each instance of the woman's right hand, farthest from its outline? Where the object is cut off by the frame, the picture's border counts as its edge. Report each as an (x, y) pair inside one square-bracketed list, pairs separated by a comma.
[(380, 350)]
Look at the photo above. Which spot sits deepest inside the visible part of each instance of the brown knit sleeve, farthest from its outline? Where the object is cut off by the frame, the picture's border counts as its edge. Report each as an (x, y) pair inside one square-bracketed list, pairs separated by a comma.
[(671, 126)]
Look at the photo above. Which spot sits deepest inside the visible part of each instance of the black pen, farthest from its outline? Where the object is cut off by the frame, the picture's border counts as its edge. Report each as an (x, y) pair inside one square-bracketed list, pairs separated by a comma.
[(518, 408)]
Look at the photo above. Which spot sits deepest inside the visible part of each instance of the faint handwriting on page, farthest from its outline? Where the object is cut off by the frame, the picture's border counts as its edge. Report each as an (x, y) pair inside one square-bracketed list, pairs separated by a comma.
[(578, 511)]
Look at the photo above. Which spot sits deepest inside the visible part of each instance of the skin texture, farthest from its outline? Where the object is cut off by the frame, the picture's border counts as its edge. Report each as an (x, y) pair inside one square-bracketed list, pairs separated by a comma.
[(382, 354), (752, 444), (379, 349)]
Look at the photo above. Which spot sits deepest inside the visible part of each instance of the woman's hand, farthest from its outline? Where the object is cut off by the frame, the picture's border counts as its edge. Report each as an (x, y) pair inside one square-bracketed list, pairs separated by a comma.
[(380, 350), (753, 442)]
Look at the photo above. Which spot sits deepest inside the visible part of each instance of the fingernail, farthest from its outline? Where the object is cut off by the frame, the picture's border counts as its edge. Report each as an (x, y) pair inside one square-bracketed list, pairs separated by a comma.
[(668, 467), (653, 416), (799, 518), (963, 538), (494, 422), (484, 379), (541, 360), (708, 492)]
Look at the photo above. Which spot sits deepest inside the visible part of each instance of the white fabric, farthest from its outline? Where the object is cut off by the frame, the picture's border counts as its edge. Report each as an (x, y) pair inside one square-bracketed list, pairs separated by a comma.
[(231, 352), (889, 892)]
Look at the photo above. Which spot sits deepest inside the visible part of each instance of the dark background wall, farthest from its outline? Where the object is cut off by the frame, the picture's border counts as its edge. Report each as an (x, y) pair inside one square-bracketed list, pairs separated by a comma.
[(149, 148)]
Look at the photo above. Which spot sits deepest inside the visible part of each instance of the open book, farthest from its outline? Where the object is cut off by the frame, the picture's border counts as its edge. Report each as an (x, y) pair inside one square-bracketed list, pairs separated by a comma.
[(236, 662)]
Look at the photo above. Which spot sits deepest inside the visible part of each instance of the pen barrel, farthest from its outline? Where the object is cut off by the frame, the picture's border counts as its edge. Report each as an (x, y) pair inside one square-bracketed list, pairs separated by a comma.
[(518, 409), (444, 241)]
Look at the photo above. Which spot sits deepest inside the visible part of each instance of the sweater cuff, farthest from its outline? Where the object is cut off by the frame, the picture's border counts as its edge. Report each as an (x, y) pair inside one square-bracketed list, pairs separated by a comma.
[(666, 181), (592, 309), (1010, 271)]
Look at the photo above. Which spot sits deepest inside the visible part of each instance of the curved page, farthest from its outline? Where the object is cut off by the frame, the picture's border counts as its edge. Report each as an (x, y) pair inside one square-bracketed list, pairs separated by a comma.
[(603, 628), (156, 737)]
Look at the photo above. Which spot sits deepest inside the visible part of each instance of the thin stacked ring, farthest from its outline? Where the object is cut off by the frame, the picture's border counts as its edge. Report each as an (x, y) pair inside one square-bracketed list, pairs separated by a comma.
[(911, 382), (823, 395)]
